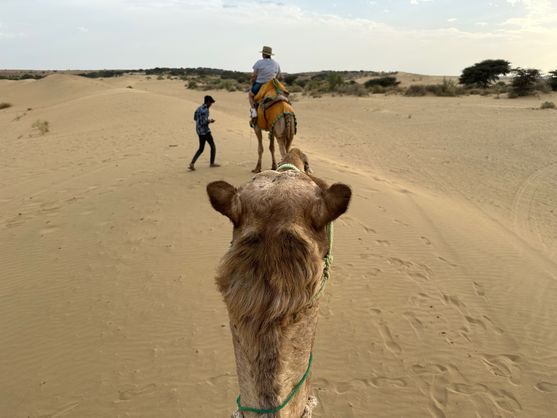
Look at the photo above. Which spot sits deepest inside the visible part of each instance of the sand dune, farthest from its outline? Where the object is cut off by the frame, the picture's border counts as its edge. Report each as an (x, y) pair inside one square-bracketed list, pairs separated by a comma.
[(443, 300)]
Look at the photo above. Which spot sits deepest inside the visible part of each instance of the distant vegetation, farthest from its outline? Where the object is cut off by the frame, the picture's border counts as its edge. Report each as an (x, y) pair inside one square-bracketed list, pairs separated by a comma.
[(489, 77), (547, 105), (22, 76), (5, 105)]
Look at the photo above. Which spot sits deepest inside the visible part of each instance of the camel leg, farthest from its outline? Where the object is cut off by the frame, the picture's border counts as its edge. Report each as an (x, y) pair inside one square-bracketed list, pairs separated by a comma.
[(280, 132), (259, 135), (272, 149)]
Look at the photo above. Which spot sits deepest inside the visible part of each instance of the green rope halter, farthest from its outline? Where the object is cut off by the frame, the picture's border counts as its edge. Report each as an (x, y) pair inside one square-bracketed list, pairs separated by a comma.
[(282, 405)]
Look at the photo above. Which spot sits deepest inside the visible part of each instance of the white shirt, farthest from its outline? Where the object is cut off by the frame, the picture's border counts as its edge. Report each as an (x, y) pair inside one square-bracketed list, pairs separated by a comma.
[(266, 69)]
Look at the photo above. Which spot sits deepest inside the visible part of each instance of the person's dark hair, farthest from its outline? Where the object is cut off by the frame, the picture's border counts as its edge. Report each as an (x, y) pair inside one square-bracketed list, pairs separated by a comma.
[(266, 56), (208, 99)]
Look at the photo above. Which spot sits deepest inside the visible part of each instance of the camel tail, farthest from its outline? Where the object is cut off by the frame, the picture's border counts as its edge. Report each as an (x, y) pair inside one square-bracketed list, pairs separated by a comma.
[(290, 130)]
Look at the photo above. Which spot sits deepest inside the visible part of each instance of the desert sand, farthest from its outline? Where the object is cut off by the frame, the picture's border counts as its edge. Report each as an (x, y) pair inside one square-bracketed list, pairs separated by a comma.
[(443, 297)]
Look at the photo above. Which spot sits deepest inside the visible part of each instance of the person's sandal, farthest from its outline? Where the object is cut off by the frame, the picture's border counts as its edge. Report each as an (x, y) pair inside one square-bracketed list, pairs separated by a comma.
[(191, 167), (214, 165)]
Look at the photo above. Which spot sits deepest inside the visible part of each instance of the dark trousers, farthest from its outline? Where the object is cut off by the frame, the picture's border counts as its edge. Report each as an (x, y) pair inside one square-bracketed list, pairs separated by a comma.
[(202, 139)]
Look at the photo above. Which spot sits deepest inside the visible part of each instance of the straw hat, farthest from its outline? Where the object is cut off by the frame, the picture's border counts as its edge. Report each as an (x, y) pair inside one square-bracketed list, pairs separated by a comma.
[(267, 50)]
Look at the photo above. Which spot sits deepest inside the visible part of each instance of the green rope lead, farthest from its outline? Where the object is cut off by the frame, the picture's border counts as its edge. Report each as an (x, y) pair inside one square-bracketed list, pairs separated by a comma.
[(282, 405), (328, 260)]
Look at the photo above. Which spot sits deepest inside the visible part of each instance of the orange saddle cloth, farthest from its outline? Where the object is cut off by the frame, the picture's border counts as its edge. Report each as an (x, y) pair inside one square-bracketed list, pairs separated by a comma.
[(272, 104)]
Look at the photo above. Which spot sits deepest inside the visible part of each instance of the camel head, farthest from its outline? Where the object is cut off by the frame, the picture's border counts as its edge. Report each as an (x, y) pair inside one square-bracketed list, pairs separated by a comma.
[(297, 158), (271, 274)]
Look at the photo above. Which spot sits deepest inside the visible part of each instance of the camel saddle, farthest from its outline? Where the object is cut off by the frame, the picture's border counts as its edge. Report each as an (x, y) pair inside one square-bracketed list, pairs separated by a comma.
[(271, 103)]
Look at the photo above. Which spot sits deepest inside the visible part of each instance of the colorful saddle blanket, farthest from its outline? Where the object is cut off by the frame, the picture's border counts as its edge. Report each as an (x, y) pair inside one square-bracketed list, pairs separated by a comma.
[(272, 104)]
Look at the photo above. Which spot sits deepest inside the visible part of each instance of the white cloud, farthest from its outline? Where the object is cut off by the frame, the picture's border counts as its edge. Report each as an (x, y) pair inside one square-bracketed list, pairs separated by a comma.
[(452, 19), (229, 34)]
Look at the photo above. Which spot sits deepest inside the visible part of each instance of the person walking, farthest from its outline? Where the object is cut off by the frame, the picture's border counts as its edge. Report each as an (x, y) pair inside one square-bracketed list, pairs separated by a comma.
[(202, 121)]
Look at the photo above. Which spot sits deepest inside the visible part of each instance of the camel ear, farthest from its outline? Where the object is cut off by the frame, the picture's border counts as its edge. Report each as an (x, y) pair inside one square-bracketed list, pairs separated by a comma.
[(222, 197), (335, 202)]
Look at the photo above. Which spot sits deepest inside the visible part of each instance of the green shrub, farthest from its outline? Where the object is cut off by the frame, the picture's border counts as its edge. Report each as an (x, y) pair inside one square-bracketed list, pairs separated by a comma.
[(524, 81), (334, 80), (290, 79), (192, 84), (160, 77), (382, 81), (41, 125), (547, 105), (5, 105)]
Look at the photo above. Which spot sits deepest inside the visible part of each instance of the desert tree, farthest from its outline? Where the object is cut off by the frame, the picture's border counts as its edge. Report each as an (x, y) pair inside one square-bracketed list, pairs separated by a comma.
[(524, 81), (553, 80), (484, 73)]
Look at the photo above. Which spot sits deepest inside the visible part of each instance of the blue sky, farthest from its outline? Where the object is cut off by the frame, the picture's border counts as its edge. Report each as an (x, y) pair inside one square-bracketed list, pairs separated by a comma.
[(423, 36)]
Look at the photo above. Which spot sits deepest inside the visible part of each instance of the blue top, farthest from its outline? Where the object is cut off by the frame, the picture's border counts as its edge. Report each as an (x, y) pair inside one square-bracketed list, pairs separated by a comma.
[(201, 116)]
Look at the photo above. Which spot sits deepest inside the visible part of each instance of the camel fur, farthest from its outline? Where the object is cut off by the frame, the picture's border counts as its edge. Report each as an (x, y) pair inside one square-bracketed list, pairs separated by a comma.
[(269, 277)]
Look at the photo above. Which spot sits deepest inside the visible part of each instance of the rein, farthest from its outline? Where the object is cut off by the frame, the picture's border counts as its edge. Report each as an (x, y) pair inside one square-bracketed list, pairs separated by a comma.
[(282, 405)]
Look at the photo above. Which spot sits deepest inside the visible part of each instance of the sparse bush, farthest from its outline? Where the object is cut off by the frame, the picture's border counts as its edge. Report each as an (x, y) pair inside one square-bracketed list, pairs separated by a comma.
[(129, 87), (449, 88), (547, 105), (160, 77), (335, 80), (377, 89), (524, 81), (542, 86), (5, 105), (192, 84), (352, 90), (41, 125), (415, 90)]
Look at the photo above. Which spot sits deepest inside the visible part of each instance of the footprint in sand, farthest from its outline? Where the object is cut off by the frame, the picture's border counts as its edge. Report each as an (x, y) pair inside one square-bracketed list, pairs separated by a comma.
[(387, 337), (381, 381), (64, 410), (125, 395), (503, 365), (546, 387), (425, 240), (455, 301), (479, 289), (415, 323)]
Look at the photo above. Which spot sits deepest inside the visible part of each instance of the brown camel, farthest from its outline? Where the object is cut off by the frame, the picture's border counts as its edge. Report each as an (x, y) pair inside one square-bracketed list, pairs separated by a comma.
[(283, 130), (270, 280)]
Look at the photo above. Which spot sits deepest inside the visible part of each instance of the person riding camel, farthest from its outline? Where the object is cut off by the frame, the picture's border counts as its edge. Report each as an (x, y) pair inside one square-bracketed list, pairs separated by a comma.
[(264, 70)]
